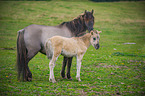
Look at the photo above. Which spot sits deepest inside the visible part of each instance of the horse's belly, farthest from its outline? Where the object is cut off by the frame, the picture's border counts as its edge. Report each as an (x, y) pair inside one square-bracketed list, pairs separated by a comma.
[(68, 53)]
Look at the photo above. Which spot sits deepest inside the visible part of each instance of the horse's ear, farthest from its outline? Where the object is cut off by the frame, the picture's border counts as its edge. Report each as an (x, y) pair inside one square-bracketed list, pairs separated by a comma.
[(92, 11), (92, 32), (85, 12)]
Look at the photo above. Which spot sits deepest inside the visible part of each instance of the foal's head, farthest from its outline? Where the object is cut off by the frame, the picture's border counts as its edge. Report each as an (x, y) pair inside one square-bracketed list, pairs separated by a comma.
[(89, 20), (95, 38)]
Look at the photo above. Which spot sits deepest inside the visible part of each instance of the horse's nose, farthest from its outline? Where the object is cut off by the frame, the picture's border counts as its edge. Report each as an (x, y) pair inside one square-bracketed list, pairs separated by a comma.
[(89, 29)]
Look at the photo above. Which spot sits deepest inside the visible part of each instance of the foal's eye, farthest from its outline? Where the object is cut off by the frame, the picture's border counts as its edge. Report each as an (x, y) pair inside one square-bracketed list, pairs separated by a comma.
[(94, 39)]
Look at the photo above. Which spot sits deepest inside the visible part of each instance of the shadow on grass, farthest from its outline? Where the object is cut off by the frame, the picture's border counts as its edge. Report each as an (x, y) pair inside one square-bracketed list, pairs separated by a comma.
[(126, 54)]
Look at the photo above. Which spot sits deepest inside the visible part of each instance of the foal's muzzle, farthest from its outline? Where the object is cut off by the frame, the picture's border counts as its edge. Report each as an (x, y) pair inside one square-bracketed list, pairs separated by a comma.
[(97, 46)]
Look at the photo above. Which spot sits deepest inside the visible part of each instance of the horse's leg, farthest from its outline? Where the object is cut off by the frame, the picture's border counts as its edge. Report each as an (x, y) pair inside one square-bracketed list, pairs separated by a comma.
[(79, 61), (28, 76), (68, 67), (65, 59), (30, 55)]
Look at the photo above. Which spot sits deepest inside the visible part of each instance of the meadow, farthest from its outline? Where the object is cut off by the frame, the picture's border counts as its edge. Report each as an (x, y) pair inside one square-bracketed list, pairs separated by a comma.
[(117, 68)]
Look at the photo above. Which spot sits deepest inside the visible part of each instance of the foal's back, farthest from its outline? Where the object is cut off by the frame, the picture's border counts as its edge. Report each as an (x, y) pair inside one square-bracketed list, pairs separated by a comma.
[(68, 47)]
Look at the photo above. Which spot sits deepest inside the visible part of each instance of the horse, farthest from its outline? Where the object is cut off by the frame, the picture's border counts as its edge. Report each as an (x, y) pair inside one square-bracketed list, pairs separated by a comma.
[(70, 47), (31, 40)]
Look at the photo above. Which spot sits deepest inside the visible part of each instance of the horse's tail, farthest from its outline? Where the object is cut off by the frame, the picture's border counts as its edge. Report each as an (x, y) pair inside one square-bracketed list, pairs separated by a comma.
[(21, 55)]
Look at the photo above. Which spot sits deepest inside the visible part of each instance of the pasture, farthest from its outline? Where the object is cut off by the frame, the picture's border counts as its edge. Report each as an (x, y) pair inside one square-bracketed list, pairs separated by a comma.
[(117, 68)]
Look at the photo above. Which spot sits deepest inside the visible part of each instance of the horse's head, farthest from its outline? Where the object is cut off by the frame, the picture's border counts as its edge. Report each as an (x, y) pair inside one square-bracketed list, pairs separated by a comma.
[(95, 38), (89, 20)]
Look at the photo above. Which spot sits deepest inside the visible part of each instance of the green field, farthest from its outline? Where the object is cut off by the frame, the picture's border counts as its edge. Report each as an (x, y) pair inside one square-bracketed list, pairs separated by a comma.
[(117, 68)]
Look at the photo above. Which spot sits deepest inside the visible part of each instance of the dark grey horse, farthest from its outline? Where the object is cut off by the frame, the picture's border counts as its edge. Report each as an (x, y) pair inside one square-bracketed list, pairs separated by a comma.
[(31, 40)]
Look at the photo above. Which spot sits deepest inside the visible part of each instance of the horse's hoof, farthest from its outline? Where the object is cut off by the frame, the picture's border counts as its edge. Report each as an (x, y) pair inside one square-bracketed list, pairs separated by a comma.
[(70, 78), (64, 78), (29, 79), (63, 75)]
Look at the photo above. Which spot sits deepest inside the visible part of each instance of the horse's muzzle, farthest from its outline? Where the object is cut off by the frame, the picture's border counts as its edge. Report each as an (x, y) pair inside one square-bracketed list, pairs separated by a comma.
[(90, 29), (97, 46)]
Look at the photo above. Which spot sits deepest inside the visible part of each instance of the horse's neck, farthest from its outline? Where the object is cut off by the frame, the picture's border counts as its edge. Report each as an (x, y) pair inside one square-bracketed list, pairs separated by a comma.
[(86, 39), (76, 27)]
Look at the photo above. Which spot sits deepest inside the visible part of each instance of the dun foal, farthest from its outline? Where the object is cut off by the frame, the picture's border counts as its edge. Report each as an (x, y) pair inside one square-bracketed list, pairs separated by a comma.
[(70, 47)]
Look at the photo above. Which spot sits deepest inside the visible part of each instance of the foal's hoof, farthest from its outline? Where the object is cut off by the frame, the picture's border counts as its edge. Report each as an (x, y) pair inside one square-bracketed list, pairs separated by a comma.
[(52, 80), (78, 79)]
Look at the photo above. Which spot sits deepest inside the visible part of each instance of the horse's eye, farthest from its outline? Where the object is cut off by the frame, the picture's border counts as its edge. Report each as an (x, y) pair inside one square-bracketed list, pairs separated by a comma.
[(94, 39)]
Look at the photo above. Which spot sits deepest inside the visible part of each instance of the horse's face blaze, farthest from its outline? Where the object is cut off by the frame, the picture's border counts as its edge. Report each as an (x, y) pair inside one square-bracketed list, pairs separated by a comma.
[(95, 37), (89, 20)]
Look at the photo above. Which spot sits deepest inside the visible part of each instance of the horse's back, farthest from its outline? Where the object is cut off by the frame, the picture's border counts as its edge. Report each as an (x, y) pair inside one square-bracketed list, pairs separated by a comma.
[(32, 37), (36, 35)]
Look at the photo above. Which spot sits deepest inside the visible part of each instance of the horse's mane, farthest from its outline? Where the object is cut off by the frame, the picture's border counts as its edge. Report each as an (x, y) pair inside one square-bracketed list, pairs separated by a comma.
[(77, 25)]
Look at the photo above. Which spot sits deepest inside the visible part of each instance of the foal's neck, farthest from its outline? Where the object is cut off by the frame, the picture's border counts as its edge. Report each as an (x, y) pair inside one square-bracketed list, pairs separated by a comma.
[(86, 39)]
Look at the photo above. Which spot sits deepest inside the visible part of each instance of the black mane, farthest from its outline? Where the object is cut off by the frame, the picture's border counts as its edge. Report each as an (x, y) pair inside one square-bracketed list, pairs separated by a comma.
[(77, 26)]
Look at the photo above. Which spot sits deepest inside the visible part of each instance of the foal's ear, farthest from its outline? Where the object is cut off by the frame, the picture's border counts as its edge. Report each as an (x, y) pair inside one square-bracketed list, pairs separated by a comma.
[(92, 32), (99, 32), (92, 11)]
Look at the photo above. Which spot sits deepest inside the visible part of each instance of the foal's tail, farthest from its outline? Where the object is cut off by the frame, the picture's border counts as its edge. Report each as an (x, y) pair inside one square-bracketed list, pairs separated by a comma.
[(21, 55), (48, 48)]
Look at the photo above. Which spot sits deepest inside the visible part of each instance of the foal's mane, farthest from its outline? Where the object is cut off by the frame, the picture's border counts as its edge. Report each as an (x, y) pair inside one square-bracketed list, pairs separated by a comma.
[(77, 25), (85, 36)]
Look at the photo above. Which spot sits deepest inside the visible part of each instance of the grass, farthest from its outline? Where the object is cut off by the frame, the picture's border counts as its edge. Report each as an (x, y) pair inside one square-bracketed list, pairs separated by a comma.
[(115, 69)]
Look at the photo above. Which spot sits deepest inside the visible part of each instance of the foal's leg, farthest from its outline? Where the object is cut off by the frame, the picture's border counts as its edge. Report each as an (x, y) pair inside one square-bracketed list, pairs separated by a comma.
[(79, 61), (65, 59), (51, 66), (68, 67)]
